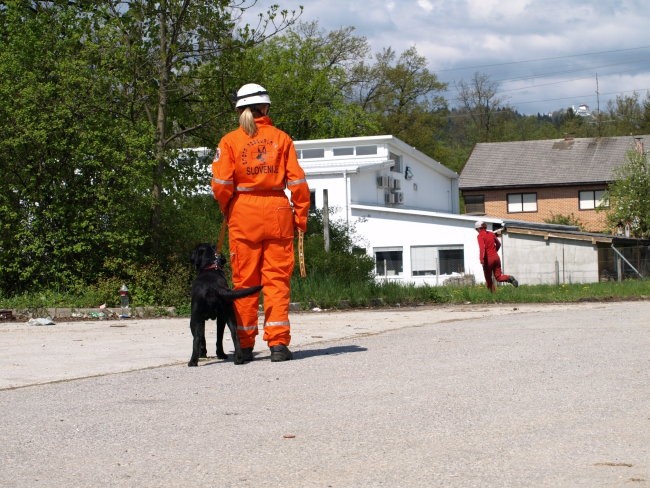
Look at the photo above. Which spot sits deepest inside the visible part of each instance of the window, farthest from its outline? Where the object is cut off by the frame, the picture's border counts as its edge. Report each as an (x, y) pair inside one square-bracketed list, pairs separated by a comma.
[(343, 151), (522, 202), (366, 150), (432, 260), (397, 167), (388, 261), (423, 261), (475, 204), (451, 261), (311, 153), (592, 199)]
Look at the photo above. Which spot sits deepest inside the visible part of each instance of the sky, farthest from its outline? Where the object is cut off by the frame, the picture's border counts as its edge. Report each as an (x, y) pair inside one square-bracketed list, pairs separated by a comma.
[(544, 55)]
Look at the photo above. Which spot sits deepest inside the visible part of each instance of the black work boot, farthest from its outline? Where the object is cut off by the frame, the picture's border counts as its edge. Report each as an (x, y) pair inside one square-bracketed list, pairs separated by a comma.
[(280, 353), (247, 354), (514, 281)]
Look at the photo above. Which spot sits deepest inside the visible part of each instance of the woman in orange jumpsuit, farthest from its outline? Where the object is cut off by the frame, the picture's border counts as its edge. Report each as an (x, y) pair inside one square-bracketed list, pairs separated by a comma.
[(489, 245), (251, 169)]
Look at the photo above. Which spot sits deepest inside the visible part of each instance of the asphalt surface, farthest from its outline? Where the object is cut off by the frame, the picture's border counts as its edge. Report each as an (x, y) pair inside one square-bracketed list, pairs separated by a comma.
[(469, 396)]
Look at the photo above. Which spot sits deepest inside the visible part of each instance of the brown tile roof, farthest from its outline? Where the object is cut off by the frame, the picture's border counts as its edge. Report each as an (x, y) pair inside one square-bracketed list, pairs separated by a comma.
[(549, 162)]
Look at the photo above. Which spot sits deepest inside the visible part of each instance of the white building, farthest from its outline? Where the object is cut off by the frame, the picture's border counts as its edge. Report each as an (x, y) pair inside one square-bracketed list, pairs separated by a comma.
[(402, 204)]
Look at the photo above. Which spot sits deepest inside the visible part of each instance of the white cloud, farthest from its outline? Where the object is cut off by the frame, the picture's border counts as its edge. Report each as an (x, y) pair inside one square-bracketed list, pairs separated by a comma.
[(425, 5), (552, 48)]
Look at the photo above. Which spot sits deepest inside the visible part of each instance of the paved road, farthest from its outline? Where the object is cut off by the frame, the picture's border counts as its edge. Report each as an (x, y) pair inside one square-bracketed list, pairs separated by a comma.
[(475, 396)]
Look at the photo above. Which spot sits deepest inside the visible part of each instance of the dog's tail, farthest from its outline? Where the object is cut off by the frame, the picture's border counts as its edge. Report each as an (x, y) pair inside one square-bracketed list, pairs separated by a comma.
[(235, 294)]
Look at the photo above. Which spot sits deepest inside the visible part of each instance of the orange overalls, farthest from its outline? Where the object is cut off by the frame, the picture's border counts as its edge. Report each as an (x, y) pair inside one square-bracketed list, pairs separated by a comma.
[(489, 245), (249, 178)]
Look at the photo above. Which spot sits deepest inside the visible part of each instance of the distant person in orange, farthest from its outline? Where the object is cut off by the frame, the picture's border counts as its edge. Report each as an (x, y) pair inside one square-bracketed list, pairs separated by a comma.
[(489, 245), (251, 169)]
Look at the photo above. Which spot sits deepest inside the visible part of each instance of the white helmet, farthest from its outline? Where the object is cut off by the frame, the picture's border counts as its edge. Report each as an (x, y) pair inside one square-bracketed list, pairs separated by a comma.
[(252, 94)]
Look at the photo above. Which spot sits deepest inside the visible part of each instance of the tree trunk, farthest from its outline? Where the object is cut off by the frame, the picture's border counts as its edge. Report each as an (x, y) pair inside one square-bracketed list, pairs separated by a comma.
[(161, 133)]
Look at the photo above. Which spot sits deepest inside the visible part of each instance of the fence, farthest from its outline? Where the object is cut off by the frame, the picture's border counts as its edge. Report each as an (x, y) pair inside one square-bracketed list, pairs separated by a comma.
[(619, 263)]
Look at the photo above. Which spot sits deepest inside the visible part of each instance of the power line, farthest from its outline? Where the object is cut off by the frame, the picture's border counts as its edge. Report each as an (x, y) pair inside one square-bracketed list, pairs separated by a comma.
[(541, 59), (588, 68), (593, 68)]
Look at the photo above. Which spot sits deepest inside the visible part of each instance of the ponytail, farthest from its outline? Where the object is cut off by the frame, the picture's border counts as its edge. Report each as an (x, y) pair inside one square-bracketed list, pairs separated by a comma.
[(247, 121)]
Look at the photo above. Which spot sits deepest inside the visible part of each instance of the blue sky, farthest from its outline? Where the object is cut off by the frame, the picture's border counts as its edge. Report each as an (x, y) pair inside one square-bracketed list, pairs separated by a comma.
[(544, 54)]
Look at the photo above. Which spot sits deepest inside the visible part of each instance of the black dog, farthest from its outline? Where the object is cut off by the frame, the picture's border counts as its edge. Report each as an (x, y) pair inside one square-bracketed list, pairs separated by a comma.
[(212, 299)]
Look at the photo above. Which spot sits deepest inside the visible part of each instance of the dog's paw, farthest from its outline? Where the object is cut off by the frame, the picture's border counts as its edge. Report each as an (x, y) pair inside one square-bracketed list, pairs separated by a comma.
[(193, 363), (222, 355)]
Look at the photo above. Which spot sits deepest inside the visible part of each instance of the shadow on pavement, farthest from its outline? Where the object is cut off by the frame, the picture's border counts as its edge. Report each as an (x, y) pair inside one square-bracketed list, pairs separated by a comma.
[(297, 355), (327, 351)]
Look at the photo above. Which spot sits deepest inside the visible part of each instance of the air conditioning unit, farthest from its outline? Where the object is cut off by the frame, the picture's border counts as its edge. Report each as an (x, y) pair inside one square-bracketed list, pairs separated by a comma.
[(397, 184), (387, 197), (383, 182), (399, 197)]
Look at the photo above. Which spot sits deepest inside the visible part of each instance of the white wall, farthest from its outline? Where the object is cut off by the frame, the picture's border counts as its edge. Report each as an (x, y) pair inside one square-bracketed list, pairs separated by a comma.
[(430, 185), (381, 230), (533, 260)]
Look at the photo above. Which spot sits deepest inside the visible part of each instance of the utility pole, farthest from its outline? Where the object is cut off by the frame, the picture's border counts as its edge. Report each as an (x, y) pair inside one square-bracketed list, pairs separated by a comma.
[(597, 107), (326, 221)]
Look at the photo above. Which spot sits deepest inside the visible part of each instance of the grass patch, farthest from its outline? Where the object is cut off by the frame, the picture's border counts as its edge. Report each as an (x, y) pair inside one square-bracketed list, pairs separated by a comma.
[(328, 293)]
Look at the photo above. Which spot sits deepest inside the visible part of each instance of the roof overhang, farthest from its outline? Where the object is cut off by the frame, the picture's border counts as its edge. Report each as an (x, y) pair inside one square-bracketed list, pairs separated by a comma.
[(423, 213), (520, 186), (344, 167), (548, 234)]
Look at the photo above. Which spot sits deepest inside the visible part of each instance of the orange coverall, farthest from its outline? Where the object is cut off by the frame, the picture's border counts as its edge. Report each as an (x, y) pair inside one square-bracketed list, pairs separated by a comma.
[(249, 178), (489, 245)]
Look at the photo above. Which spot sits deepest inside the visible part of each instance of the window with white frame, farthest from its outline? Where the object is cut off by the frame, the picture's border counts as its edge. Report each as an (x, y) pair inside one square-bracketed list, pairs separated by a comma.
[(423, 261), (388, 261), (522, 202), (310, 153), (451, 259), (366, 150), (592, 199), (343, 151), (433, 260)]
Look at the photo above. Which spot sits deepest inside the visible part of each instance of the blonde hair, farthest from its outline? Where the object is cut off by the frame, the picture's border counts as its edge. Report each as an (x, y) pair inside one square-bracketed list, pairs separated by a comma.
[(247, 121), (247, 117)]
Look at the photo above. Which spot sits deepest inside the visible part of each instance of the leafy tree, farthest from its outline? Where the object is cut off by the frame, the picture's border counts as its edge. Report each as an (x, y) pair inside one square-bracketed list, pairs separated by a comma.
[(341, 262), (70, 194), (407, 98), (96, 99), (629, 195), (626, 113), (307, 72), (172, 40)]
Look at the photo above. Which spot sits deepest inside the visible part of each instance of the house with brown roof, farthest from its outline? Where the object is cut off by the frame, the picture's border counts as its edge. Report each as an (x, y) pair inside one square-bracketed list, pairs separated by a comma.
[(535, 181)]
